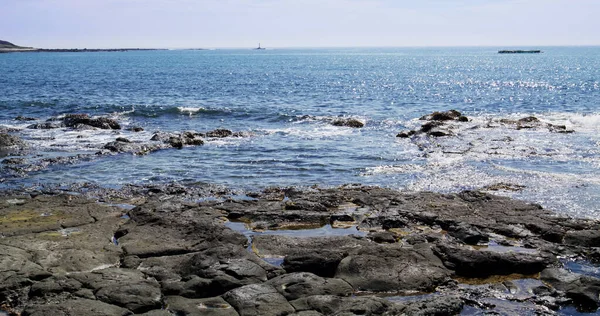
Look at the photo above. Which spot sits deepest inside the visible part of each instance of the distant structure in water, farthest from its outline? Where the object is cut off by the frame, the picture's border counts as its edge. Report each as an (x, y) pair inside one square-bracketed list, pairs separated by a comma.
[(260, 48), (519, 51)]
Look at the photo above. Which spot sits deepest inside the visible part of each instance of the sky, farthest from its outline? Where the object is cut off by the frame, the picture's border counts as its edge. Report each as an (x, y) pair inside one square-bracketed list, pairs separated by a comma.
[(298, 23)]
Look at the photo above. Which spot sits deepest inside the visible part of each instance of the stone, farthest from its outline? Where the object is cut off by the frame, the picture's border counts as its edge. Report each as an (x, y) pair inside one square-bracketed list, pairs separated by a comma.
[(214, 306), (476, 263), (219, 133), (296, 285), (258, 299), (384, 269), (77, 306), (583, 290), (348, 122), (335, 305)]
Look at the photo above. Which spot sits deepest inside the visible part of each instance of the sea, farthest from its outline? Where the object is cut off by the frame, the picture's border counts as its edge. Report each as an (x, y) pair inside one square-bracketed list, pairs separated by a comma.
[(284, 101)]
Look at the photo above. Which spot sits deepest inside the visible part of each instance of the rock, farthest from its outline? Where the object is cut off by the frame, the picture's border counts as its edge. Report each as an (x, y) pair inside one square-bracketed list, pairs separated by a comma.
[(296, 285), (219, 133), (321, 263), (215, 306), (436, 305), (382, 237), (335, 305), (46, 125), (444, 116), (136, 129), (25, 118), (138, 297), (348, 122), (583, 290), (123, 140), (383, 269), (470, 235), (475, 263), (14, 161), (73, 120), (583, 238), (406, 134), (75, 307), (258, 299), (7, 140)]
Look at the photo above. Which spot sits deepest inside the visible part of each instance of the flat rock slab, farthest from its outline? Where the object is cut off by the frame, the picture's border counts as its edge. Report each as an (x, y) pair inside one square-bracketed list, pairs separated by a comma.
[(383, 269), (258, 299), (75, 307), (296, 285), (214, 306)]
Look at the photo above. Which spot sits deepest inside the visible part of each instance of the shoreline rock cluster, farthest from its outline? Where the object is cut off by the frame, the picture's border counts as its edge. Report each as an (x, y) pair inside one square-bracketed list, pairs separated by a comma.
[(167, 250), (440, 124)]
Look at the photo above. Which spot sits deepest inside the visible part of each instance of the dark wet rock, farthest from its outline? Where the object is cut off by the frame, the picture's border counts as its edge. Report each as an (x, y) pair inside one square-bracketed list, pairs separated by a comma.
[(470, 235), (477, 263), (385, 237), (442, 116), (73, 120), (383, 269), (174, 254), (138, 297), (321, 263), (25, 118), (215, 306), (584, 238), (136, 129), (54, 285), (219, 133), (123, 140), (14, 161), (335, 305), (8, 141), (302, 284), (348, 122), (583, 290), (435, 305), (406, 134), (178, 140), (75, 307), (47, 125), (258, 299), (504, 187), (532, 122)]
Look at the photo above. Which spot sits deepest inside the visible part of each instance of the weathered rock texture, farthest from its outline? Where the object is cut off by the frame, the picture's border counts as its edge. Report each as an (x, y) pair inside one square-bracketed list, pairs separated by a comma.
[(69, 255)]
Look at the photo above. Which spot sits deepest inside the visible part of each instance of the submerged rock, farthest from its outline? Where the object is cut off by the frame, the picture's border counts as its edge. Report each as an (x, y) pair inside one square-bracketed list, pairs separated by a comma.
[(348, 122)]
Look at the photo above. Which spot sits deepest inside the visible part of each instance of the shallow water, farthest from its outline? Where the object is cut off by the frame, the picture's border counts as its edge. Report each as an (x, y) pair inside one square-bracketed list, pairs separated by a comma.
[(286, 99)]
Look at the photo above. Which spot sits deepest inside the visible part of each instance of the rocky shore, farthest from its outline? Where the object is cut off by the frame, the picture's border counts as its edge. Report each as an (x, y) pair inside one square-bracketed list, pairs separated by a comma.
[(352, 250)]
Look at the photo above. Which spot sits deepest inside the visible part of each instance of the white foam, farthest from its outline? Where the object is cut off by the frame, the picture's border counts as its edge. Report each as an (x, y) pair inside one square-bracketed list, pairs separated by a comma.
[(190, 110)]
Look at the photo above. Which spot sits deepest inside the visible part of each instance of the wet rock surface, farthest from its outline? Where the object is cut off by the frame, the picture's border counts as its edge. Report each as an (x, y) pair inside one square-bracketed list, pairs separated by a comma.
[(351, 250)]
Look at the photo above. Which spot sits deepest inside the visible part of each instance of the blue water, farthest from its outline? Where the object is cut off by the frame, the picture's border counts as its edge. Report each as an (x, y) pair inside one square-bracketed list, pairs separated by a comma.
[(285, 98)]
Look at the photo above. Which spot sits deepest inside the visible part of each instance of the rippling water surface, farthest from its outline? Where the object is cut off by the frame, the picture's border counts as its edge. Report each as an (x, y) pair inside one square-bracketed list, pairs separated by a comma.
[(285, 99)]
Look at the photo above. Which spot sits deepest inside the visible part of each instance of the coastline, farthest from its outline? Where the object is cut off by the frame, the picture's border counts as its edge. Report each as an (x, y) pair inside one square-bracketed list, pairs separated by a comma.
[(173, 249), (73, 50)]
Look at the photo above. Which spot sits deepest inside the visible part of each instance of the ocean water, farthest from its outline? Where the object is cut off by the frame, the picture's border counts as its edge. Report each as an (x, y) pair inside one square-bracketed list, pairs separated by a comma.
[(285, 99)]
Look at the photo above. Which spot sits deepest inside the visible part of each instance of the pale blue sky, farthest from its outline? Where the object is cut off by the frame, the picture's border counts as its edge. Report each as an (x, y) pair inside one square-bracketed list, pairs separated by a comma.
[(298, 23)]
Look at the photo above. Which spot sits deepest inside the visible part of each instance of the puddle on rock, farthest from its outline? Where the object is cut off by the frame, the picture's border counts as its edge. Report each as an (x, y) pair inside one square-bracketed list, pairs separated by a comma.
[(582, 267), (572, 311), (65, 232), (494, 306), (409, 298), (324, 231), (493, 246), (495, 279)]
